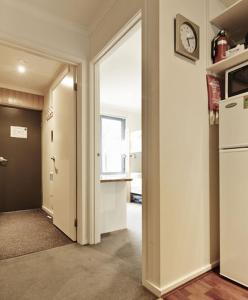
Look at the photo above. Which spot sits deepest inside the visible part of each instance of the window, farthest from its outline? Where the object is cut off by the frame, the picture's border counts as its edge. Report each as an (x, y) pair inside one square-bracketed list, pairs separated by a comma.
[(113, 145)]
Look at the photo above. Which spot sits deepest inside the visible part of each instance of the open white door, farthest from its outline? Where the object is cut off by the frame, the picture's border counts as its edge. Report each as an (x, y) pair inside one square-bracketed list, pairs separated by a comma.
[(64, 151)]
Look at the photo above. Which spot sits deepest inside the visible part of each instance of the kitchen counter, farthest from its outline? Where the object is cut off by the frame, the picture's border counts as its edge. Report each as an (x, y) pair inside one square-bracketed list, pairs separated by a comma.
[(114, 194), (114, 179)]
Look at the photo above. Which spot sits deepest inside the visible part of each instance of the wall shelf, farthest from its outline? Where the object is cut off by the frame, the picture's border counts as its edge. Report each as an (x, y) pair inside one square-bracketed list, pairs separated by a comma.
[(228, 63), (234, 20)]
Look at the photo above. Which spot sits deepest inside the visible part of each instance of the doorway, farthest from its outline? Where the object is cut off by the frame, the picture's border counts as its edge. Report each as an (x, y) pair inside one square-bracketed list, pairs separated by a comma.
[(20, 178), (37, 152), (118, 140)]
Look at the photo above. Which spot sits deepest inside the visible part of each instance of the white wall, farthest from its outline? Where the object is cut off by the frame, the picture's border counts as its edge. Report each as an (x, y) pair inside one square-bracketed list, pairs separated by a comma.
[(184, 151)]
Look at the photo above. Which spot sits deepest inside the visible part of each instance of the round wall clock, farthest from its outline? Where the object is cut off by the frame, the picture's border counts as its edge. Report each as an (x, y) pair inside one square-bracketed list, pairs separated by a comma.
[(187, 35)]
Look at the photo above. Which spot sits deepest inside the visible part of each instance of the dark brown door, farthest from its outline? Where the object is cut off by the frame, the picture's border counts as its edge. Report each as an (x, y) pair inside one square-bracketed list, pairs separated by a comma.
[(20, 175)]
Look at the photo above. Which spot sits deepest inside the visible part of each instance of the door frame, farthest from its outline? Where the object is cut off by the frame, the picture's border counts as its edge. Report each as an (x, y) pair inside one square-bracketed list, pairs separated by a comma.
[(81, 127), (94, 205), (148, 15)]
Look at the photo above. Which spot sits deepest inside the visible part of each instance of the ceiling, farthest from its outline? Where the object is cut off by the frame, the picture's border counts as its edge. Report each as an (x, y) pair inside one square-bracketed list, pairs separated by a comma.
[(83, 14), (38, 76), (229, 2), (120, 74)]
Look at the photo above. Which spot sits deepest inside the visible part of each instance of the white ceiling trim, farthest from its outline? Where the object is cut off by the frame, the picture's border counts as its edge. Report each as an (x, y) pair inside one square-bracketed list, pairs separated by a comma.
[(47, 17)]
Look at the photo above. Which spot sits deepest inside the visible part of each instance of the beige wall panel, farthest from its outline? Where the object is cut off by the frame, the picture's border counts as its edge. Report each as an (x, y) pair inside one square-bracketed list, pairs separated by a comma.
[(20, 99)]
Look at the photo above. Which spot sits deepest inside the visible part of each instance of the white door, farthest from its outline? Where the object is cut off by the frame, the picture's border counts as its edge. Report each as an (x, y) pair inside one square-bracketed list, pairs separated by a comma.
[(64, 151), (234, 214)]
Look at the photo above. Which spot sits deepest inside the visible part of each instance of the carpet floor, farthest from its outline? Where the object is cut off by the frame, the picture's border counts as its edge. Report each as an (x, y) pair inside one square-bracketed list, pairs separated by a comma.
[(27, 232), (108, 271)]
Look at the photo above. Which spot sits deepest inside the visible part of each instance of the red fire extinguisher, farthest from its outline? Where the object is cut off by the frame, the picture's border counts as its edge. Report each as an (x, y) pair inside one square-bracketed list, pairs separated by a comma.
[(219, 46)]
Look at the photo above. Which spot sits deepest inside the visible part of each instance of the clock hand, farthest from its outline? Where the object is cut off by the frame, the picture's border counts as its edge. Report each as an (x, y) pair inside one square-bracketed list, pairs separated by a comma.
[(189, 38)]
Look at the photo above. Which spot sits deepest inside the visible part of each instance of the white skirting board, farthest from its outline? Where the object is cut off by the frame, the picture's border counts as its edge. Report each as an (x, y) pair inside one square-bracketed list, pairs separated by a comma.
[(181, 281), (47, 210)]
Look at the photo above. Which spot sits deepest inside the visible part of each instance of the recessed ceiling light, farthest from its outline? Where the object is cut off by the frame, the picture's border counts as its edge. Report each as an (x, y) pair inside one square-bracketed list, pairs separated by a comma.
[(68, 81), (21, 69)]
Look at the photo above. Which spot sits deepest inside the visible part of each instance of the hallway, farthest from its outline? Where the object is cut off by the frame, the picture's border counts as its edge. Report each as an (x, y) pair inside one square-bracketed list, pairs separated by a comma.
[(110, 270)]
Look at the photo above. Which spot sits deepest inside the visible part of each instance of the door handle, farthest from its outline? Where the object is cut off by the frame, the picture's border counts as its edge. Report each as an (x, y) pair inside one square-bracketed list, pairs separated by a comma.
[(54, 162), (3, 161)]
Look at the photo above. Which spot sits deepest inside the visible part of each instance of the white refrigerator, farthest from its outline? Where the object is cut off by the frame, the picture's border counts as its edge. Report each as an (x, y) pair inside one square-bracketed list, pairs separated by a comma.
[(233, 144)]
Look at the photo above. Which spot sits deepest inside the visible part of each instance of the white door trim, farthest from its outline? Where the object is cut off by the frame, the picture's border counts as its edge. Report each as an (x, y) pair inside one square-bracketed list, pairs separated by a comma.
[(94, 219), (81, 69)]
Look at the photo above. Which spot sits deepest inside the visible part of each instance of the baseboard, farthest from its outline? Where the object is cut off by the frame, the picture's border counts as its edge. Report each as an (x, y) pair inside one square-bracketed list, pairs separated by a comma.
[(179, 282), (47, 210)]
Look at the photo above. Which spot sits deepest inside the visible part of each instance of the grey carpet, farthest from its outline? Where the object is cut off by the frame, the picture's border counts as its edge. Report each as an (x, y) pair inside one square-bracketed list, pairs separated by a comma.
[(108, 271), (26, 232)]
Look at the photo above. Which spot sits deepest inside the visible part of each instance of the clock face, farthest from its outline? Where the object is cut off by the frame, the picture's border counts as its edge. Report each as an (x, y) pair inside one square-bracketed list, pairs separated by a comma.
[(188, 38)]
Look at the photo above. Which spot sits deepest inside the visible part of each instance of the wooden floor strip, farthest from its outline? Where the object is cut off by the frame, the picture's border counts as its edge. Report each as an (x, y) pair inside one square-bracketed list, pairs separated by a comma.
[(211, 286)]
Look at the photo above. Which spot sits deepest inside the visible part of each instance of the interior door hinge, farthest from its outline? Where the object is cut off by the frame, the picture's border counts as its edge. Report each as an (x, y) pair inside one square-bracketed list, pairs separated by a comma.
[(75, 86), (75, 223)]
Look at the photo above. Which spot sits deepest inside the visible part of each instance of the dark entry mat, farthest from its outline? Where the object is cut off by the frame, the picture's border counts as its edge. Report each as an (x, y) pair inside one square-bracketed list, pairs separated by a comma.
[(27, 232)]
